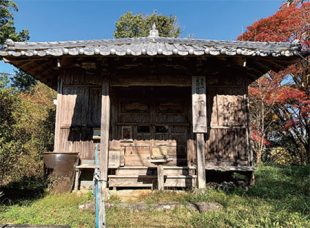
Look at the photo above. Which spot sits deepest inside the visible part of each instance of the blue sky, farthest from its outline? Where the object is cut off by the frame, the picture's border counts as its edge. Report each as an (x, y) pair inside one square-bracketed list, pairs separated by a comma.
[(50, 20)]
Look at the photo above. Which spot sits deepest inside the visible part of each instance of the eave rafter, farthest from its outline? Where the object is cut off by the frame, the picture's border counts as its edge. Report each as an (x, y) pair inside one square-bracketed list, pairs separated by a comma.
[(47, 68)]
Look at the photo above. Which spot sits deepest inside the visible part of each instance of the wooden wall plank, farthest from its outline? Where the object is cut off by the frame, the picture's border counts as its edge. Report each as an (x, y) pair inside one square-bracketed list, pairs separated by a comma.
[(211, 146), (94, 107), (226, 141), (79, 109), (231, 110)]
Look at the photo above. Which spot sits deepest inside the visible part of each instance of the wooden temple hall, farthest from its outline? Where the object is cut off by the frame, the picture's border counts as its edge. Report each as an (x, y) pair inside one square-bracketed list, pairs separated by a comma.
[(166, 112)]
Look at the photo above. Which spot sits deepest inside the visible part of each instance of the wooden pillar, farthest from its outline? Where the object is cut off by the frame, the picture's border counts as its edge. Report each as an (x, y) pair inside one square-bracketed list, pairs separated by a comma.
[(160, 177), (199, 114), (104, 130), (76, 180), (58, 110), (201, 160), (248, 147)]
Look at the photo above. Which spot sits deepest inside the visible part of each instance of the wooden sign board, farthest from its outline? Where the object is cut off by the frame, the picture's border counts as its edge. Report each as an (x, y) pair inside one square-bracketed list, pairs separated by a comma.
[(115, 158), (199, 104)]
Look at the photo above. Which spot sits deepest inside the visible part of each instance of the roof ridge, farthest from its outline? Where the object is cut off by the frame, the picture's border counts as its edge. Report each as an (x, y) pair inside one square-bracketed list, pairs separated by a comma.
[(10, 42)]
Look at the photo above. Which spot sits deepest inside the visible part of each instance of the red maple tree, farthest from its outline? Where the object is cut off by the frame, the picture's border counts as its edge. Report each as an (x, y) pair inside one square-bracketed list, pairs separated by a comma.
[(280, 102), (287, 24)]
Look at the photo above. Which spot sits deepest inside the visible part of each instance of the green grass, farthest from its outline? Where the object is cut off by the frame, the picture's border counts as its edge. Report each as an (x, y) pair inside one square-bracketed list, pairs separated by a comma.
[(52, 209), (280, 198)]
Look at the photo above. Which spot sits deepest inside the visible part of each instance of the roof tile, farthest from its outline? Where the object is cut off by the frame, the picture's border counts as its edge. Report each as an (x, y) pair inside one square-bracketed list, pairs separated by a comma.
[(149, 46)]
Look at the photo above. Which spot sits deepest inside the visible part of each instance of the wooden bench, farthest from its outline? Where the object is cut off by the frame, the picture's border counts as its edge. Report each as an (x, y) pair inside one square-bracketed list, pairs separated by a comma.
[(151, 177), (85, 164), (116, 159)]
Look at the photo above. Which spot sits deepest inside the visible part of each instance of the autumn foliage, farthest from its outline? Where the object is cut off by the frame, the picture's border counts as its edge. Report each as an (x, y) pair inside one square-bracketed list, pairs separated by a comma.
[(280, 102), (287, 24)]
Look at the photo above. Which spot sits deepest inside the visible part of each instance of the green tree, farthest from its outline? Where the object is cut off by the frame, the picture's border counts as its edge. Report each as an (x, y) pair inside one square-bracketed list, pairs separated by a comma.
[(7, 28), (26, 131), (138, 25), (21, 80), (26, 113), (4, 80), (8, 146)]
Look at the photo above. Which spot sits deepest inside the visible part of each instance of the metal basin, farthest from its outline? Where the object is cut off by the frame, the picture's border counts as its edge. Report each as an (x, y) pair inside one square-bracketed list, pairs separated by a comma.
[(60, 167)]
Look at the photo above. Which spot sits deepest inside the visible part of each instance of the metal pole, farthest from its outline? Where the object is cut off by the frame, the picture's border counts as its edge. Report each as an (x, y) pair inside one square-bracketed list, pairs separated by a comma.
[(99, 194)]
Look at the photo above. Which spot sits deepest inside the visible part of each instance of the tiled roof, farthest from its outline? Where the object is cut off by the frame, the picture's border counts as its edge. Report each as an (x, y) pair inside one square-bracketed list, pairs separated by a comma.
[(151, 46)]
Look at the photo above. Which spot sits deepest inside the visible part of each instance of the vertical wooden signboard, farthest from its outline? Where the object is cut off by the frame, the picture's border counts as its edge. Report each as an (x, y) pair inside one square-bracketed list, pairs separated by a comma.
[(199, 113), (199, 102)]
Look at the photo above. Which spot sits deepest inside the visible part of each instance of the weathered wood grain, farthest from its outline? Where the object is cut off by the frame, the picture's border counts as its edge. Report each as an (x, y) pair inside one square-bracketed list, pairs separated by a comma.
[(200, 149), (159, 108), (226, 139), (58, 115), (160, 178), (105, 129), (199, 104)]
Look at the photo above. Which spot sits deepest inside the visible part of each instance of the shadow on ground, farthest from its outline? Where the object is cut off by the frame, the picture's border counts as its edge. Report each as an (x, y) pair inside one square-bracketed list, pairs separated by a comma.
[(24, 191)]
